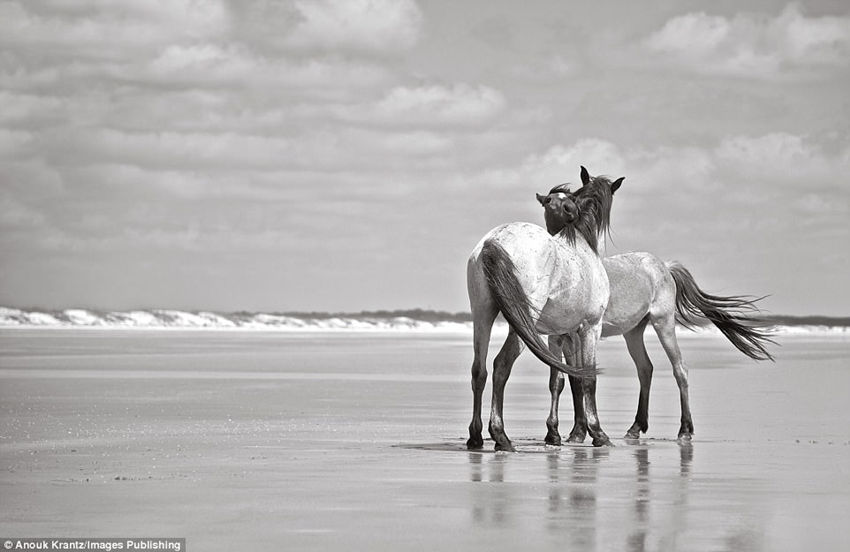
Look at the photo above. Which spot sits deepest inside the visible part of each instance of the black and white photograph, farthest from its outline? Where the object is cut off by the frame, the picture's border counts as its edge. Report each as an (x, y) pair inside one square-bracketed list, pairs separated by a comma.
[(384, 275)]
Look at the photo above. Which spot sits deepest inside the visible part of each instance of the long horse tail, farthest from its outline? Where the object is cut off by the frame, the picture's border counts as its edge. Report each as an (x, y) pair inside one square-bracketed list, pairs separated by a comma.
[(516, 307), (732, 314)]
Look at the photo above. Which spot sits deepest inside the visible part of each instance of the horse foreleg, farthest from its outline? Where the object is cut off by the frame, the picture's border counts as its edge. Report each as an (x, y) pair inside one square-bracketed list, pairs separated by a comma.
[(637, 350), (588, 339), (482, 325), (556, 386), (501, 372), (666, 330)]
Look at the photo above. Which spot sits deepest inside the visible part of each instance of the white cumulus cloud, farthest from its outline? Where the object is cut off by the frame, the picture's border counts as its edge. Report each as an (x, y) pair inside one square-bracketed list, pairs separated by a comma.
[(380, 26), (460, 104), (754, 45), (777, 162), (108, 30)]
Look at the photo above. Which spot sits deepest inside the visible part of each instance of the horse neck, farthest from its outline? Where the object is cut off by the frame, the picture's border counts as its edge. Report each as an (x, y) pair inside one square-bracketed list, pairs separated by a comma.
[(573, 235), (592, 243), (592, 246), (577, 240), (594, 224)]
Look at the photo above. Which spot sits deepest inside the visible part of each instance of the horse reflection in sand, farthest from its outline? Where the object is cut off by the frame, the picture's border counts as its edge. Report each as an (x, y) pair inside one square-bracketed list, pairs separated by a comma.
[(596, 499), (542, 284), (645, 290)]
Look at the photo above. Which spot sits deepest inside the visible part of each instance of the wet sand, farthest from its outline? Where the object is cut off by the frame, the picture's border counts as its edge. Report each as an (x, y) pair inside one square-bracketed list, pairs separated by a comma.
[(249, 440)]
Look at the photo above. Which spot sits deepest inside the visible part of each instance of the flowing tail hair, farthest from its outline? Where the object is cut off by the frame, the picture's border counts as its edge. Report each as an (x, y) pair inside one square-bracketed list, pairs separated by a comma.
[(515, 306), (732, 315)]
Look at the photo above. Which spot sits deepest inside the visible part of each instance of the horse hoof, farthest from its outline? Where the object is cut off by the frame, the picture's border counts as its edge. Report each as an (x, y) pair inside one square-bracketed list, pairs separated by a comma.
[(553, 440), (632, 435), (602, 442), (508, 447), (475, 443), (685, 437)]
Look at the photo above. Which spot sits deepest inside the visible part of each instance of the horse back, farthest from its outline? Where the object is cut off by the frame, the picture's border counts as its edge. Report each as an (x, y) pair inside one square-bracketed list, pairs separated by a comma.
[(640, 283)]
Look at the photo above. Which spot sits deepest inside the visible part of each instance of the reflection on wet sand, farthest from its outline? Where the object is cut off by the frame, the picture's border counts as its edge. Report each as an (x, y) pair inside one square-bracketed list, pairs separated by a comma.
[(575, 505), (637, 540), (493, 506), (642, 516), (580, 509)]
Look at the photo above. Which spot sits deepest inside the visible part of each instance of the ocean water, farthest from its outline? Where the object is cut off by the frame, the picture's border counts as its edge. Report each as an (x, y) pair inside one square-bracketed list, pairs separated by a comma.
[(355, 441)]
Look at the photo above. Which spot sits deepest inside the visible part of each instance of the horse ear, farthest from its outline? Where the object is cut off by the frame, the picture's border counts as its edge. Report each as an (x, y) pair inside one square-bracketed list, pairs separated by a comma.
[(585, 176), (541, 198), (616, 184)]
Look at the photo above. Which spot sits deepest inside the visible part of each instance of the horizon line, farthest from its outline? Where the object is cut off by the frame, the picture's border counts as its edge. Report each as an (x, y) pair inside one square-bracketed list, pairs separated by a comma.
[(381, 313)]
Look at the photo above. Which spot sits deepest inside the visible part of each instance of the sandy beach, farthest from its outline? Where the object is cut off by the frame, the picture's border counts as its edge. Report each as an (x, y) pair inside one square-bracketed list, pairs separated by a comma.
[(263, 440)]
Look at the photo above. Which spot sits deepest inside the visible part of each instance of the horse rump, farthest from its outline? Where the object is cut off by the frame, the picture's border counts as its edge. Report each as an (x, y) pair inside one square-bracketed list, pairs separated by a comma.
[(515, 306)]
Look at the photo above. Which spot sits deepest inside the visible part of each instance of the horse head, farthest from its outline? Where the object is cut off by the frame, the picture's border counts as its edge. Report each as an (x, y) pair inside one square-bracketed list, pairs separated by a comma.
[(559, 208), (586, 211)]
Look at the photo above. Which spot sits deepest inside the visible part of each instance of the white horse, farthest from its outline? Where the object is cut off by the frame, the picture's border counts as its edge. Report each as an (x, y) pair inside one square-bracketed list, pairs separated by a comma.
[(645, 290), (542, 284)]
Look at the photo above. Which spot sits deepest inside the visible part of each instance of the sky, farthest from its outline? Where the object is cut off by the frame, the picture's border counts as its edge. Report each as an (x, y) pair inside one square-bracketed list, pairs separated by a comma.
[(342, 155)]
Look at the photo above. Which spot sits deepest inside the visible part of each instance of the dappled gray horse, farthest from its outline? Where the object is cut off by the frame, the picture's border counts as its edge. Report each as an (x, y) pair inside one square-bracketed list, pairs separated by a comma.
[(542, 284), (645, 290)]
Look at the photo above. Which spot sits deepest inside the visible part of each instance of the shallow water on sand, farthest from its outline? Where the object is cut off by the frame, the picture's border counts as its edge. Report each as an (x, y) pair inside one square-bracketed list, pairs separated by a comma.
[(241, 440)]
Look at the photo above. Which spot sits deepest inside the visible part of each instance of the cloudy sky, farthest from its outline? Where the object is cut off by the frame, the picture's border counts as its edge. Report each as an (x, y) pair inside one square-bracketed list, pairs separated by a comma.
[(347, 155)]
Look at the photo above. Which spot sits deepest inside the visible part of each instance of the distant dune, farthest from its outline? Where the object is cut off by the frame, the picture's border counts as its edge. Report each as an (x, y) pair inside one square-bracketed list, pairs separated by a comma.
[(409, 320), (381, 320)]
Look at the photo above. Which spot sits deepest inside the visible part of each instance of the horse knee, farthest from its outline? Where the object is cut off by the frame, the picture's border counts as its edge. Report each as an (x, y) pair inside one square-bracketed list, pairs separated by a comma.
[(681, 375), (479, 375)]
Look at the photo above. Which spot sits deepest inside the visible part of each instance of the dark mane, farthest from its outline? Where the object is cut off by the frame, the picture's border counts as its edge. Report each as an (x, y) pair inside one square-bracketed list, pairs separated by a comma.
[(594, 208), (564, 188)]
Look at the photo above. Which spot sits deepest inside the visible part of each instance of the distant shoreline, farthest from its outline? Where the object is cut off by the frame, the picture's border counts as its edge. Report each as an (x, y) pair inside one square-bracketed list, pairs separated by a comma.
[(415, 320)]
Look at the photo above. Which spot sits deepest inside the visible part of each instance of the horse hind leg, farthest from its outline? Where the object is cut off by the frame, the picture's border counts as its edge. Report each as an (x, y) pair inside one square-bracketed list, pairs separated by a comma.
[(637, 350), (588, 340), (556, 386), (666, 329), (502, 366), (484, 314), (579, 431)]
